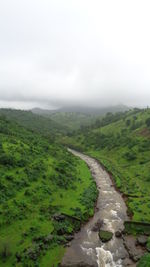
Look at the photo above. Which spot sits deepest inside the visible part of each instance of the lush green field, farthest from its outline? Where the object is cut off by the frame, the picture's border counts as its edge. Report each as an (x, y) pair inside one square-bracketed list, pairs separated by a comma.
[(39, 179)]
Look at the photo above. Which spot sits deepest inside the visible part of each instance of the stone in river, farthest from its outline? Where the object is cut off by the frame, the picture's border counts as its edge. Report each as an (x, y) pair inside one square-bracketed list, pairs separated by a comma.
[(105, 236), (142, 240), (118, 234)]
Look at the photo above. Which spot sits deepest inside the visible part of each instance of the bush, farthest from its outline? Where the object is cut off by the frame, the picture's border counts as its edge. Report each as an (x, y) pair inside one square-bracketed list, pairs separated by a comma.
[(147, 122), (130, 155), (144, 261), (5, 251)]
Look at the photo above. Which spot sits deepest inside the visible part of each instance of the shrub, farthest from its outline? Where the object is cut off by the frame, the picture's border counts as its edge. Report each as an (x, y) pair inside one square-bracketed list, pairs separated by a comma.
[(147, 122), (130, 155), (5, 250)]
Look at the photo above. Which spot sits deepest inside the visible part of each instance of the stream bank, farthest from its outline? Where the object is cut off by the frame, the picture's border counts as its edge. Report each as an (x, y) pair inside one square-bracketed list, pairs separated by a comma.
[(87, 249)]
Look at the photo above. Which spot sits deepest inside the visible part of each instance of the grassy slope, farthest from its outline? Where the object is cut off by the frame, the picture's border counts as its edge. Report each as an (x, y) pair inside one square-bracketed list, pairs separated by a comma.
[(35, 122), (125, 151), (72, 120), (123, 147), (129, 161), (38, 179)]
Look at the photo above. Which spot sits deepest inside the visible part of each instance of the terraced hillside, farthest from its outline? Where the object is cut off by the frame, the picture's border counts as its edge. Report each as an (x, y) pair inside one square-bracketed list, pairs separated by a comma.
[(45, 193)]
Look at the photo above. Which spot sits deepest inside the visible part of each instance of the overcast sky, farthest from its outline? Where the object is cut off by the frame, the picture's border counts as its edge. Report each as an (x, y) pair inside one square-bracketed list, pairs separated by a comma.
[(82, 52)]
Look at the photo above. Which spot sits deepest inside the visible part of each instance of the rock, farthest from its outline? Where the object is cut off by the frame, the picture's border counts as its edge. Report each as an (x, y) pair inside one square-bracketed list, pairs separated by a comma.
[(135, 252), (18, 256), (33, 253), (61, 231), (59, 217), (68, 244), (118, 234), (136, 257), (69, 237), (48, 238), (142, 240), (105, 236), (148, 249), (80, 264), (97, 225), (127, 262)]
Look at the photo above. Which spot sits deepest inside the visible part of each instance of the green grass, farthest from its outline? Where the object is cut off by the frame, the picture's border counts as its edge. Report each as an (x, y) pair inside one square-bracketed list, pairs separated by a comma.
[(39, 178), (144, 261)]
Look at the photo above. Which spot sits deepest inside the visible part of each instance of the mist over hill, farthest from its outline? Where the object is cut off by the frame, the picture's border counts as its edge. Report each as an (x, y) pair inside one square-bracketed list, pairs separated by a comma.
[(82, 109)]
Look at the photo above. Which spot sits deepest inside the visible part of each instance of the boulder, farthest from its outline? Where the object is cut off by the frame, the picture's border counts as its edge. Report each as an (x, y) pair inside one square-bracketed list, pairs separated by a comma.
[(33, 253), (48, 238), (97, 225), (80, 264), (105, 236), (127, 262), (69, 237), (118, 234), (59, 217), (135, 252), (142, 240)]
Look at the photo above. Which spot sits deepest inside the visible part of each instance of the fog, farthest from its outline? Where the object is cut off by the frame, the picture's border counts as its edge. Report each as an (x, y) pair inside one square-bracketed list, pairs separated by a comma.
[(56, 53)]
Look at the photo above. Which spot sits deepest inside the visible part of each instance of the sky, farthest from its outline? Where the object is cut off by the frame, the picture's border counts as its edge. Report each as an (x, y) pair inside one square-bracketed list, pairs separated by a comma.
[(56, 53)]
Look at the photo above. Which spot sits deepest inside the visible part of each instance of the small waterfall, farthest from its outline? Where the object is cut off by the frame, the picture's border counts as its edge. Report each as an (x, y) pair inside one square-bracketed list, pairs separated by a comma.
[(105, 258)]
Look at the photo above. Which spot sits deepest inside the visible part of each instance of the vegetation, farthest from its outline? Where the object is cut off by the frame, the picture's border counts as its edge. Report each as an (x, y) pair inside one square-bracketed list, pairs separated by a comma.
[(35, 122), (144, 261), (124, 149), (105, 236), (121, 142), (73, 120), (43, 197), (46, 192)]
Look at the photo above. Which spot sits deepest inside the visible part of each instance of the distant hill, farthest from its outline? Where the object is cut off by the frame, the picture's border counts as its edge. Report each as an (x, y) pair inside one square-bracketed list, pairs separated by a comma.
[(34, 122), (80, 109), (75, 117), (41, 111), (92, 110)]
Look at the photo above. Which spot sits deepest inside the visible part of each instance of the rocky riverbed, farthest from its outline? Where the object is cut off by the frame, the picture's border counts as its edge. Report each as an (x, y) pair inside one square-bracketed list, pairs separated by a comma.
[(87, 247)]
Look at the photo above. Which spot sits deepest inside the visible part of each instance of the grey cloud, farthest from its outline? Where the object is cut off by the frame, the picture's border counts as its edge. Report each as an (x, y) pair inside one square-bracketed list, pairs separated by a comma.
[(55, 53)]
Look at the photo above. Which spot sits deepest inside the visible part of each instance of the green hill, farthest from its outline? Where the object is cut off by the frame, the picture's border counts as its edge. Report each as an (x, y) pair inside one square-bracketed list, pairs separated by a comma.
[(39, 179), (74, 118), (121, 142), (35, 122)]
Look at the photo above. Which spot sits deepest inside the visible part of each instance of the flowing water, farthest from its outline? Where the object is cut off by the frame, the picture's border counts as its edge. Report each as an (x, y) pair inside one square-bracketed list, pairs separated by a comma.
[(86, 249)]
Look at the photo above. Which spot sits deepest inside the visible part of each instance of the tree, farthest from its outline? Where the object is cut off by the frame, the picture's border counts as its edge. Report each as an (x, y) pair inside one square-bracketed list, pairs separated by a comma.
[(128, 122)]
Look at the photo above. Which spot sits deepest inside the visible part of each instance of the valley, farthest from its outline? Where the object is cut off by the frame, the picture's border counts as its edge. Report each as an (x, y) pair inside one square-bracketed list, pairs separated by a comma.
[(48, 194)]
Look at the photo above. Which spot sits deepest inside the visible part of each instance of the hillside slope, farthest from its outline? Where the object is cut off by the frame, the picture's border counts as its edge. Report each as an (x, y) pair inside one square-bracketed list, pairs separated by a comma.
[(39, 179), (122, 143), (35, 122), (75, 118)]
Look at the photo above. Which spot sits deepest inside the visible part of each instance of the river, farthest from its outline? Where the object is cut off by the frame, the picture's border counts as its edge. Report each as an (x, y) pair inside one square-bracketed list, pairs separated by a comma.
[(86, 249)]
